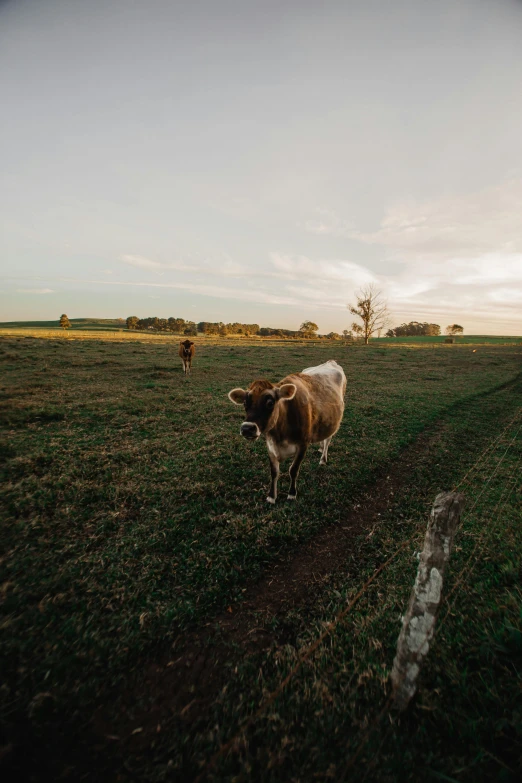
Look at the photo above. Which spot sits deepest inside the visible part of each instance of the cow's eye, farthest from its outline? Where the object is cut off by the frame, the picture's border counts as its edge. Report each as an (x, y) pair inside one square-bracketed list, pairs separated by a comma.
[(269, 402)]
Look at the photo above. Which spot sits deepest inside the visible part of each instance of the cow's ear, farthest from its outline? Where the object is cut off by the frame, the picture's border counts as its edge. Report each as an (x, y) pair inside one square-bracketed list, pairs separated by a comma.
[(237, 396), (286, 391)]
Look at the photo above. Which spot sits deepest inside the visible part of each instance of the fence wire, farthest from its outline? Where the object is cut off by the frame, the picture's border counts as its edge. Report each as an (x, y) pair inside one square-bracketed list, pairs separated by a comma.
[(482, 461), (465, 572)]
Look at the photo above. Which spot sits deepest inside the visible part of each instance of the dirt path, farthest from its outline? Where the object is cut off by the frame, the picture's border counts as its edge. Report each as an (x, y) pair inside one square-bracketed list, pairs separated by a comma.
[(184, 683)]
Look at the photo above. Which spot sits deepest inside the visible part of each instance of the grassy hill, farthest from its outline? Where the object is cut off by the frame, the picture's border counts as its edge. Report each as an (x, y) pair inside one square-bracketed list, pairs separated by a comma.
[(106, 324), (480, 339)]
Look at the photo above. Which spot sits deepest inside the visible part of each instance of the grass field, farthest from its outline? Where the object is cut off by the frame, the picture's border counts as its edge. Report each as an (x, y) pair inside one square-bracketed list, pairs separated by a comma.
[(135, 517), (76, 324), (465, 339), (115, 329)]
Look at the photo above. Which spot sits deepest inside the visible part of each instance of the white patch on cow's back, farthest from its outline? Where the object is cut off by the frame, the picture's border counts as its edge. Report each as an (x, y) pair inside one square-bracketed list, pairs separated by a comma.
[(330, 369), (331, 372)]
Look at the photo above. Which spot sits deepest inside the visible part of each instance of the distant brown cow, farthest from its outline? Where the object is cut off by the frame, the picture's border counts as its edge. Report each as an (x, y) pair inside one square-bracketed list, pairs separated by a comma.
[(187, 349), (306, 407)]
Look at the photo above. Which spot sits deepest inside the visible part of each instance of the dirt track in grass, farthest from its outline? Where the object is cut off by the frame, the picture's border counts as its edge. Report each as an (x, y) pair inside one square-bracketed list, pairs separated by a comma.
[(183, 684)]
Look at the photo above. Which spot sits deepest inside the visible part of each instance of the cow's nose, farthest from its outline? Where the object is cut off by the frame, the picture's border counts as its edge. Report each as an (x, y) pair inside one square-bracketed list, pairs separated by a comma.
[(249, 430)]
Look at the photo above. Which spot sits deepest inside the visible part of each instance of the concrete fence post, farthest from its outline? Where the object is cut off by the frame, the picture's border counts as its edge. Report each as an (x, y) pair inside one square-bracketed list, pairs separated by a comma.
[(419, 621)]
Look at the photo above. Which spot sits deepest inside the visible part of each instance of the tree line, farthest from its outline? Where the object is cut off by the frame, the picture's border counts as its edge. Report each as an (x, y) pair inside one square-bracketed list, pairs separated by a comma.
[(175, 325), (370, 308), (308, 329), (414, 329), (190, 328)]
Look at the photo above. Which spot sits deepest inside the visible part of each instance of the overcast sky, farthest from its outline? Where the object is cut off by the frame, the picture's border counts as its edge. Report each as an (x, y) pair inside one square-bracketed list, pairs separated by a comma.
[(259, 161)]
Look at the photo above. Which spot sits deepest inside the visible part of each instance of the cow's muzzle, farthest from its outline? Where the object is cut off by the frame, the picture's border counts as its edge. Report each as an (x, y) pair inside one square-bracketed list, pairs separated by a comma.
[(249, 430)]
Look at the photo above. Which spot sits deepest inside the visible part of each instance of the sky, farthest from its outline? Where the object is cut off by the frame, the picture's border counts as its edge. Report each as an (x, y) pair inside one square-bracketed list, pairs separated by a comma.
[(260, 161)]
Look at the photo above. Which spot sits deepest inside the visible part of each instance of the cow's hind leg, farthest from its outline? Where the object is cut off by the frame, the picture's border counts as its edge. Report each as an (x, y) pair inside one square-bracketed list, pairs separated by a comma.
[(294, 472), (324, 451), (274, 470)]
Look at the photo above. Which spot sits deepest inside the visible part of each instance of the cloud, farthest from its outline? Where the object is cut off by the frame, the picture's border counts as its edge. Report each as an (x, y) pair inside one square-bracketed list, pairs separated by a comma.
[(143, 263), (470, 225), (455, 256), (303, 268), (256, 295), (220, 265), (328, 223), (35, 291)]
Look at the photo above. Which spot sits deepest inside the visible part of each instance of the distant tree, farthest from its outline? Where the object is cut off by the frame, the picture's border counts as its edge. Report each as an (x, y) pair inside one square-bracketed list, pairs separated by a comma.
[(333, 336), (223, 330), (176, 325), (372, 309), (347, 333), (308, 327), (454, 329), (132, 321), (191, 329), (64, 322)]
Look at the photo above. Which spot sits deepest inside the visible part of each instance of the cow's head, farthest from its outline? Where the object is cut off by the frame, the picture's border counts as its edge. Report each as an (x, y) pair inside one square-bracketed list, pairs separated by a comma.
[(186, 346), (262, 402)]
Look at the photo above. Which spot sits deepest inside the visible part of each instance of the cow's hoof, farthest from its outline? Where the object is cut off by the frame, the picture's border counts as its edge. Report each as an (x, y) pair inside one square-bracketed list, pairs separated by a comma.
[(322, 461), (291, 497), (270, 500)]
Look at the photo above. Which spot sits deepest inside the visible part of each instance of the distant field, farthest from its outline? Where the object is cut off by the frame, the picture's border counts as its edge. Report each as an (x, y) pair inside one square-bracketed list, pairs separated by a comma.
[(133, 513), (77, 324), (115, 329), (464, 339)]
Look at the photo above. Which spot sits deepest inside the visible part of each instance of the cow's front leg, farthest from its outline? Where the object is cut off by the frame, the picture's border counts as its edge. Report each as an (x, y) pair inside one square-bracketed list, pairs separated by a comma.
[(294, 471), (274, 470)]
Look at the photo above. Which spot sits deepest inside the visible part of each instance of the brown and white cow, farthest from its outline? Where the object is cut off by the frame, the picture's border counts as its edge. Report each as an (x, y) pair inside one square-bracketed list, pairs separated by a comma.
[(306, 407), (187, 349)]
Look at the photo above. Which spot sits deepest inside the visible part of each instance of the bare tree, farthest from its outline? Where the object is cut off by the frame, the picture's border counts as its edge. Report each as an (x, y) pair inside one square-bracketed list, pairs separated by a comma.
[(372, 309)]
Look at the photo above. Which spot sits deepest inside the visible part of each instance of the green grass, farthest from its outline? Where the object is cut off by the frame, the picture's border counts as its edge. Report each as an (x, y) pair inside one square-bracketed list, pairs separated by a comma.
[(133, 511), (465, 339), (77, 324), (466, 722)]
